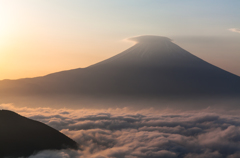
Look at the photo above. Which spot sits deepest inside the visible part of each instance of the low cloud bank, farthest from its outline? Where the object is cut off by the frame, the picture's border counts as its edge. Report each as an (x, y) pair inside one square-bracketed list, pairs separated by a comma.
[(121, 133)]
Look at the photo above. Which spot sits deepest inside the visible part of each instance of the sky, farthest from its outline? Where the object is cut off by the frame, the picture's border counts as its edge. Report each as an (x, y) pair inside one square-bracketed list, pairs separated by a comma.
[(38, 37)]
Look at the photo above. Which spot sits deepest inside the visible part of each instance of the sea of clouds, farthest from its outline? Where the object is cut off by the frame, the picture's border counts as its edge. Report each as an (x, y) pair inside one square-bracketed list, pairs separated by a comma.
[(122, 133)]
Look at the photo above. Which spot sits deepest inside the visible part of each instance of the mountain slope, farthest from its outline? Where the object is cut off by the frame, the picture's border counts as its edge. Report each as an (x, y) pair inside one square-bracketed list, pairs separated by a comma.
[(20, 136), (154, 67)]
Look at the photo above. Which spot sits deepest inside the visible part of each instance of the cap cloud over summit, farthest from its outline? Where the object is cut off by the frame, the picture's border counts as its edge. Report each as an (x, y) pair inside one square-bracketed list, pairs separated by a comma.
[(149, 39)]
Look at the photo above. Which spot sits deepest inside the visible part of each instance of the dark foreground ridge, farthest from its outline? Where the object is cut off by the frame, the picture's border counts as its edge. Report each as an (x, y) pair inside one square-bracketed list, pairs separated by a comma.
[(21, 137), (153, 67)]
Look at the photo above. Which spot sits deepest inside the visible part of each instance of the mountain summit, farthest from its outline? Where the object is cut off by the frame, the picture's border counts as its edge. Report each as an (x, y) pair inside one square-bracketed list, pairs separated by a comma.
[(153, 67)]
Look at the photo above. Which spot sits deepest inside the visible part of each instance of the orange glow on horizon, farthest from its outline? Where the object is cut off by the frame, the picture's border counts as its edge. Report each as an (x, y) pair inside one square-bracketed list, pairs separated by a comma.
[(30, 57), (41, 37)]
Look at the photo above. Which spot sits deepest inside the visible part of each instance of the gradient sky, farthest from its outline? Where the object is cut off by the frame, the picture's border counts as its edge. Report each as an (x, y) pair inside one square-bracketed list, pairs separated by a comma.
[(38, 37)]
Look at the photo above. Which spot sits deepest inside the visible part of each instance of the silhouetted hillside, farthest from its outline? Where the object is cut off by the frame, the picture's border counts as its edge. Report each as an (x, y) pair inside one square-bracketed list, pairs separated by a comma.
[(20, 136)]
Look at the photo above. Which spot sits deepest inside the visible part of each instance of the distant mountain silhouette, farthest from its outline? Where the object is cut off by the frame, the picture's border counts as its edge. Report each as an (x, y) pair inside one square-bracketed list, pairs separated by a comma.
[(21, 137), (153, 67)]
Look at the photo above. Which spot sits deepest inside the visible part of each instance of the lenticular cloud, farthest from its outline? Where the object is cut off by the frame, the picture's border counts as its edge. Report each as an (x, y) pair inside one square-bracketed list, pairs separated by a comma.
[(235, 30), (120, 133)]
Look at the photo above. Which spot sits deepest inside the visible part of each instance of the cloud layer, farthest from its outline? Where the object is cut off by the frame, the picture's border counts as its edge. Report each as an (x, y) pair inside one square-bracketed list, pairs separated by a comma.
[(235, 30), (120, 133)]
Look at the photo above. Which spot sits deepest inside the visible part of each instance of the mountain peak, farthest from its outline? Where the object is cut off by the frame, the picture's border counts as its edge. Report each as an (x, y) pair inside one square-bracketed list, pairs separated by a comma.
[(154, 67), (149, 39)]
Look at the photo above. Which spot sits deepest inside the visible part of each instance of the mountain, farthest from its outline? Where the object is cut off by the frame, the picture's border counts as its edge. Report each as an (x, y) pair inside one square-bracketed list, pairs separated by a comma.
[(153, 67), (21, 137)]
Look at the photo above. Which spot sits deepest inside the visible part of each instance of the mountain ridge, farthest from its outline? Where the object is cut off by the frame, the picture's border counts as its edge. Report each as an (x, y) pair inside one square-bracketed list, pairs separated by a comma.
[(153, 67), (20, 136)]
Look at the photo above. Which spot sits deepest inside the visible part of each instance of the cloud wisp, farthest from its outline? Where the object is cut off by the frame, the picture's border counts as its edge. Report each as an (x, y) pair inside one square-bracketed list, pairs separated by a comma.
[(234, 30), (120, 133)]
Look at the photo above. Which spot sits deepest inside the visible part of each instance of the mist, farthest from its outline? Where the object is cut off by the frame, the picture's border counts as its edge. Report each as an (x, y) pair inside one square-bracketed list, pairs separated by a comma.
[(146, 133)]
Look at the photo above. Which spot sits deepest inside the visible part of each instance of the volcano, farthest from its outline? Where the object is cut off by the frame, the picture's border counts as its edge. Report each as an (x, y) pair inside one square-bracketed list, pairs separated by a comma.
[(21, 137), (153, 67)]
